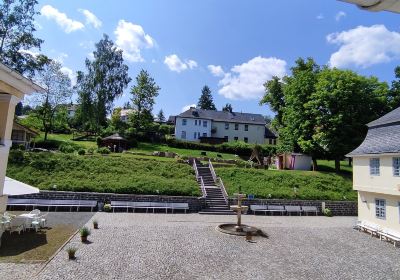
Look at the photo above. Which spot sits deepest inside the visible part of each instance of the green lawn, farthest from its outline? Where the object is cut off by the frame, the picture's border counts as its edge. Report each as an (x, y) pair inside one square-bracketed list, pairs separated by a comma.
[(329, 166), (149, 148), (287, 184), (114, 173), (68, 138)]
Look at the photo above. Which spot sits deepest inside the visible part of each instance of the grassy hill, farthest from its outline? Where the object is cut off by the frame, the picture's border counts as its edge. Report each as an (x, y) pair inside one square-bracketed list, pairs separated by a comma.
[(112, 173), (287, 184)]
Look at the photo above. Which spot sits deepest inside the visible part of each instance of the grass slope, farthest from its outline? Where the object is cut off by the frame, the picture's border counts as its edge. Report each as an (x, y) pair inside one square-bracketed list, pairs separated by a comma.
[(113, 173), (281, 184)]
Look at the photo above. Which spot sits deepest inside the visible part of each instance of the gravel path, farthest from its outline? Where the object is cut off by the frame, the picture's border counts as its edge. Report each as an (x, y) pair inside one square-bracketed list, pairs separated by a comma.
[(159, 246)]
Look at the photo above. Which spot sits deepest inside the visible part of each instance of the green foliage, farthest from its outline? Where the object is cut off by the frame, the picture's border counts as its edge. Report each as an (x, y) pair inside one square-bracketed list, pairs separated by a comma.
[(227, 108), (237, 147), (328, 212), (50, 144), (32, 121), (160, 116), (84, 231), (16, 156), (103, 150), (17, 29), (81, 152), (206, 101), (98, 141), (105, 79), (116, 174), (288, 184), (90, 150), (68, 148), (107, 207)]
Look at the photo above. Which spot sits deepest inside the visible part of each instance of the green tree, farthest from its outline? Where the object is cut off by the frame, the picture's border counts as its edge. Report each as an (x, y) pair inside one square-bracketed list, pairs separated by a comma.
[(227, 108), (18, 109), (394, 93), (274, 97), (341, 105), (143, 98), (206, 100), (58, 91), (17, 36), (160, 116), (105, 79)]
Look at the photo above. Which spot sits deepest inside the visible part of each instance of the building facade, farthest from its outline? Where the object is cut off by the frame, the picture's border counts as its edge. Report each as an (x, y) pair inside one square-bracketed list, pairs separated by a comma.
[(376, 172), (197, 125)]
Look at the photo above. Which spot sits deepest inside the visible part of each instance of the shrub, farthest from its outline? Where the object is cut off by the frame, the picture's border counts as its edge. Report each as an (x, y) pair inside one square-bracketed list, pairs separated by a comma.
[(328, 212), (90, 150), (81, 152), (48, 144), (103, 150), (84, 231), (98, 141), (67, 148), (107, 207), (71, 252), (16, 156)]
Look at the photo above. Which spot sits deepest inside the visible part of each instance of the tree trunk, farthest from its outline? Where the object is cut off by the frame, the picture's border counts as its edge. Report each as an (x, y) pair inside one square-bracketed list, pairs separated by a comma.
[(314, 164), (350, 162), (337, 164), (45, 134)]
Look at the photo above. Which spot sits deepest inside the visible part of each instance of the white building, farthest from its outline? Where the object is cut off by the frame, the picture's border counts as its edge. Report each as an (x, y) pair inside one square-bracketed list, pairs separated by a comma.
[(124, 115), (376, 172), (220, 126)]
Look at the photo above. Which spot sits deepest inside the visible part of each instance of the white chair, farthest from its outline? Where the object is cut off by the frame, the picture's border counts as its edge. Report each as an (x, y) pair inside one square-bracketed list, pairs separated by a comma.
[(17, 225), (8, 215), (35, 212), (5, 223), (43, 220), (35, 224)]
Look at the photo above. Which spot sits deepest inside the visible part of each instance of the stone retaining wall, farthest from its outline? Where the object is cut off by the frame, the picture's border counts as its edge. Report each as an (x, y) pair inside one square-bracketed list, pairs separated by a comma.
[(195, 203), (338, 208)]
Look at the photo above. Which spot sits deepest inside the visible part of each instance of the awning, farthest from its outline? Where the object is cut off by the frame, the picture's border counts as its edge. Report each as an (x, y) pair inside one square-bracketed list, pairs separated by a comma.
[(14, 187)]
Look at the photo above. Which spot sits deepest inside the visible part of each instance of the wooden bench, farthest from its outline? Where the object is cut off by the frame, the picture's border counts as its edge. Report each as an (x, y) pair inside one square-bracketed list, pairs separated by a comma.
[(293, 209), (68, 203), (258, 208), (309, 209), (369, 227), (276, 209), (391, 235), (150, 205)]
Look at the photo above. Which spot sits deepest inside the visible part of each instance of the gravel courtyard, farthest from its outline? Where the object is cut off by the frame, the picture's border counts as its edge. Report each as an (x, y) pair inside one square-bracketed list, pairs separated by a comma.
[(160, 246)]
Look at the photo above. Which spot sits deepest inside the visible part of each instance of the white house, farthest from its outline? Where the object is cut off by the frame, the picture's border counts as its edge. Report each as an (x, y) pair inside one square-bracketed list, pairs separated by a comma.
[(376, 172), (220, 126), (124, 115)]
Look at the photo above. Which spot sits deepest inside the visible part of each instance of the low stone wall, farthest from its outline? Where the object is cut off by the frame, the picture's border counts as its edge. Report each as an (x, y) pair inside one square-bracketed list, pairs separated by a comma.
[(338, 208), (195, 203)]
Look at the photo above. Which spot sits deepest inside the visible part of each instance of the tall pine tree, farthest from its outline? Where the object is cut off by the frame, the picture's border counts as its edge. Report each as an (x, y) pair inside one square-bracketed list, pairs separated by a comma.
[(206, 101)]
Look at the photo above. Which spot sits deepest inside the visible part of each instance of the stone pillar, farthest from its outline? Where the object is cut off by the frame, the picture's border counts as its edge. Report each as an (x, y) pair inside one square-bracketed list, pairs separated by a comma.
[(7, 109)]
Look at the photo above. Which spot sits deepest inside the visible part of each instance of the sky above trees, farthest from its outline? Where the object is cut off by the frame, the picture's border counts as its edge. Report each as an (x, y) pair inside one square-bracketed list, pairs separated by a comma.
[(232, 46)]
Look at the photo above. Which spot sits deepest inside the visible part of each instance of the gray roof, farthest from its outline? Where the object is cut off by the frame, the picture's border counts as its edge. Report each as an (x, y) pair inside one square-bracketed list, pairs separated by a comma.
[(223, 116), (383, 136), (391, 117), (115, 136)]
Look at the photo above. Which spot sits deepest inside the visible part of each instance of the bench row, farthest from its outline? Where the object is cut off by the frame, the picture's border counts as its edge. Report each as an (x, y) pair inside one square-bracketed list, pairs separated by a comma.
[(283, 209), (150, 205), (36, 203)]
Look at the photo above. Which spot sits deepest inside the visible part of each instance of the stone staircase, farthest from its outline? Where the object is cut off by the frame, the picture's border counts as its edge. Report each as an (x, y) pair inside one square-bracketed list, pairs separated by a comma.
[(214, 198)]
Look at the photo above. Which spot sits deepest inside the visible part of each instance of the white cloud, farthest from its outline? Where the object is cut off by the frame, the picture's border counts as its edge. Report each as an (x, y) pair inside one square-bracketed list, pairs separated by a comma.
[(91, 18), (175, 64), (187, 107), (31, 52), (216, 70), (131, 38), (71, 74), (364, 46), (67, 24), (340, 15), (246, 81), (320, 16)]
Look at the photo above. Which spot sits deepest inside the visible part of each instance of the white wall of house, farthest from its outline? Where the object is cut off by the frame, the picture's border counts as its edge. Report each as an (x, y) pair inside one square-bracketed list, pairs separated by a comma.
[(383, 186), (189, 129), (254, 133)]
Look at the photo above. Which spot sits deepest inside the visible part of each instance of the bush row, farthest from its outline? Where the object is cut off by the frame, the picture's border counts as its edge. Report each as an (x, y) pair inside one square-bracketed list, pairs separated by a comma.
[(238, 147)]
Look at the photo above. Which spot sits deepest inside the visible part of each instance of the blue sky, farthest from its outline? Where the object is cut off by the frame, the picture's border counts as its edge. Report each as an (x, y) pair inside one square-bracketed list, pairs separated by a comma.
[(232, 46)]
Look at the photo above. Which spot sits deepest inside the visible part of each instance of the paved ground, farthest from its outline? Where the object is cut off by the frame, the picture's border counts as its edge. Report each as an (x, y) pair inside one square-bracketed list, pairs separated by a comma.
[(159, 246), (11, 271)]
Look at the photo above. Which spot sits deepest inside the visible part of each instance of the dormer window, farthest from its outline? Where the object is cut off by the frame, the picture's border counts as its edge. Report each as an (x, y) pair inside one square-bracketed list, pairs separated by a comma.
[(374, 166), (396, 166)]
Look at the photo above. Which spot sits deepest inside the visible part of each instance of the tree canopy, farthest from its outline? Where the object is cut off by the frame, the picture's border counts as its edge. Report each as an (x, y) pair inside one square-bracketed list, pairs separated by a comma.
[(227, 108), (206, 101)]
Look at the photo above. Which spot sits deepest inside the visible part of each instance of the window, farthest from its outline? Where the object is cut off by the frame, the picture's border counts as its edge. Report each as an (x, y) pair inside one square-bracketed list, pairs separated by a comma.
[(236, 126), (204, 134), (246, 127), (195, 122), (199, 122), (236, 138), (270, 141), (246, 139), (204, 123), (380, 208), (226, 139), (183, 134), (184, 121), (374, 166), (396, 166), (198, 135), (226, 125), (194, 136)]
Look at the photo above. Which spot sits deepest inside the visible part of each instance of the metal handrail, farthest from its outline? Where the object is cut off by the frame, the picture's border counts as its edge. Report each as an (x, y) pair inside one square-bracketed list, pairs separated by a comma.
[(203, 187), (212, 171), (222, 187), (195, 169)]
